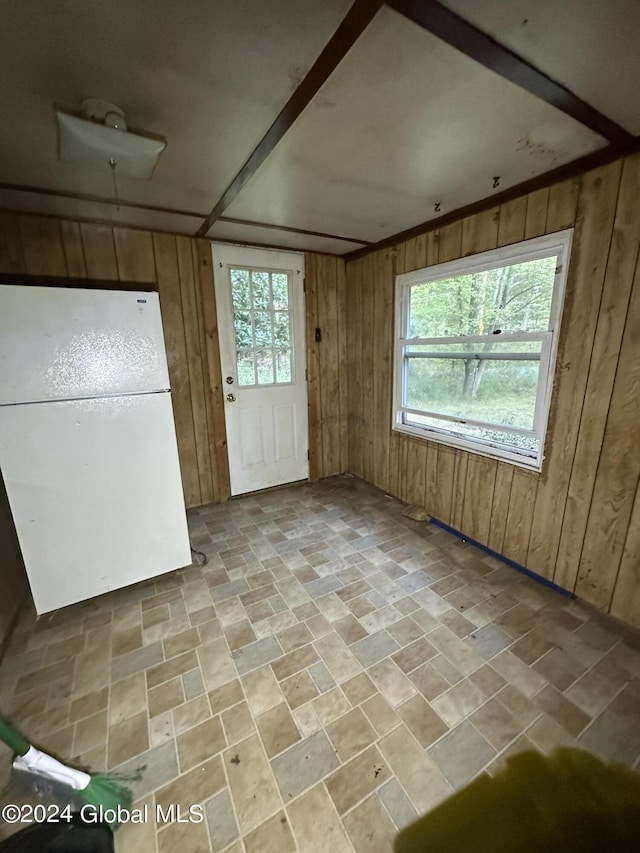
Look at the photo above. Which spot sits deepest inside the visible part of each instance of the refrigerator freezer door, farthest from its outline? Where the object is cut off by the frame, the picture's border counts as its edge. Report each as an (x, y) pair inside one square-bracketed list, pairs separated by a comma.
[(60, 343), (95, 491)]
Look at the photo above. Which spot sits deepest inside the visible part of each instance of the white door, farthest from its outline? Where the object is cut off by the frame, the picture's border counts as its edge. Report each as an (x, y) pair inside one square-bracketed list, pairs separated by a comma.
[(260, 303)]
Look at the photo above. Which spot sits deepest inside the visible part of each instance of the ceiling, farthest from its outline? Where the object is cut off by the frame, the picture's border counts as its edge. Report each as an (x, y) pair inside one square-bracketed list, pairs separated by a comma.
[(322, 126)]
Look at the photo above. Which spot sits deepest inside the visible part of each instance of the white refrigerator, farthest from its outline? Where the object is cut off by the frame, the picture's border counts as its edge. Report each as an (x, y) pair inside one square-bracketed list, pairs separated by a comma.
[(87, 440)]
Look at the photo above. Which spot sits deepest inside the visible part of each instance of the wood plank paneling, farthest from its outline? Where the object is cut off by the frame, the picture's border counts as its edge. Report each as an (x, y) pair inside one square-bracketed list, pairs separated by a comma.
[(522, 497), (626, 594), (66, 249), (99, 251), (536, 219), (314, 401), (618, 471), (576, 520), (195, 359), (329, 350), (166, 259), (563, 201), (596, 211), (382, 335), (73, 251), (219, 457), (42, 246), (368, 305), (327, 385), (501, 497), (11, 254), (134, 255), (618, 280)]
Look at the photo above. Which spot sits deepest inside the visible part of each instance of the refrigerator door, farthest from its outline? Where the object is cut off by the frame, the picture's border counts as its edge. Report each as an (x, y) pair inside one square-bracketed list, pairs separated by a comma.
[(95, 491), (60, 343)]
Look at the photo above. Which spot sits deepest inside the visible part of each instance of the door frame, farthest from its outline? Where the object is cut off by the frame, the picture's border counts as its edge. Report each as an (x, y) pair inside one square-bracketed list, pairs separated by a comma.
[(301, 344)]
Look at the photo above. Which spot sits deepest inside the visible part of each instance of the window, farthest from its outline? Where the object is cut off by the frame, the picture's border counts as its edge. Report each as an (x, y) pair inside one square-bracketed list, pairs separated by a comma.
[(262, 326), (475, 349)]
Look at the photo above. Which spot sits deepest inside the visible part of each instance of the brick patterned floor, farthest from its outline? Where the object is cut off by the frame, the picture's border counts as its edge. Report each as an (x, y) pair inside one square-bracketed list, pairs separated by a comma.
[(334, 670)]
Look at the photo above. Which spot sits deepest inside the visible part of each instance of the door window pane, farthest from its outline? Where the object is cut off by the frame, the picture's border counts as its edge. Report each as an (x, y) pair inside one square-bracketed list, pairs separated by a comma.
[(242, 325), (280, 285), (240, 292), (262, 323), (283, 365), (262, 326), (246, 372), (264, 363), (281, 328), (261, 289)]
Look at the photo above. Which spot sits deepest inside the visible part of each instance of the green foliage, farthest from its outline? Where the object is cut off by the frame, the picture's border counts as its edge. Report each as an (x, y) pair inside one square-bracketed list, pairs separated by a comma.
[(261, 325), (512, 298)]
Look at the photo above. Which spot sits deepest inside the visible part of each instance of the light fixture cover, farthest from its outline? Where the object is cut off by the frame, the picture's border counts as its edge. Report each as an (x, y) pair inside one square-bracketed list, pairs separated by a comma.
[(85, 141)]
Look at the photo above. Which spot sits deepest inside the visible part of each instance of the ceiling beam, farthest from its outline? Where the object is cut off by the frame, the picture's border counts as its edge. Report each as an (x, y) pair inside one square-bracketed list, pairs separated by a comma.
[(561, 173), (351, 28), (465, 37), (134, 205)]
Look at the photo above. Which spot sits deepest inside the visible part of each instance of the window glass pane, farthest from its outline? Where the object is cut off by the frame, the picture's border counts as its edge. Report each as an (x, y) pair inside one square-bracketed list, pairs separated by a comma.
[(283, 365), (240, 288), (246, 374), (242, 325), (281, 328), (518, 443), (512, 298), (262, 325), (264, 364), (280, 285), (501, 392), (261, 289)]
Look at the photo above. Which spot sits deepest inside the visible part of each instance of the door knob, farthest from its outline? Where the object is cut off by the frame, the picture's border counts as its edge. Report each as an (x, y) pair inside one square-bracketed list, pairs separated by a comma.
[(229, 380), (231, 398)]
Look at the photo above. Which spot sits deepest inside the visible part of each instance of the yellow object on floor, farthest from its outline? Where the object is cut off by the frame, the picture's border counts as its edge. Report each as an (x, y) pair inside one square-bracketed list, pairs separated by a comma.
[(569, 801)]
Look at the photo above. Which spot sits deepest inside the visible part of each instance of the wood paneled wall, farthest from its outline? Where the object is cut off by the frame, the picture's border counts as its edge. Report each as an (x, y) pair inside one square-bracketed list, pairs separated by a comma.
[(325, 300), (578, 521), (181, 269)]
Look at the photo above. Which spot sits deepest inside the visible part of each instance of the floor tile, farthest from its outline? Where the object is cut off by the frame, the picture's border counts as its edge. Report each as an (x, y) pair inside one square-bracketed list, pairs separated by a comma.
[(221, 821), (253, 787), (359, 777), (274, 836), (380, 714), (315, 809), (194, 787), (421, 720), (369, 827), (416, 772), (242, 674), (299, 689), (303, 765), (200, 742), (262, 689), (374, 648), (277, 729), (359, 688), (461, 754), (399, 807), (350, 734), (257, 654)]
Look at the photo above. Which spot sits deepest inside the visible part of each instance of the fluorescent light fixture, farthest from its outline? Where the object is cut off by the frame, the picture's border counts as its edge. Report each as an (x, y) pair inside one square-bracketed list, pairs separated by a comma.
[(84, 141)]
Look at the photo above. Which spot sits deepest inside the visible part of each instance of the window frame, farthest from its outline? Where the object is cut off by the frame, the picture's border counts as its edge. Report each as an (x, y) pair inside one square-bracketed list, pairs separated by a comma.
[(559, 244)]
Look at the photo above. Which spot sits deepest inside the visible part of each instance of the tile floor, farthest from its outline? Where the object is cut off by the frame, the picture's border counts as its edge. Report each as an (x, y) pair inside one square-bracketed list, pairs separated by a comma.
[(333, 671)]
